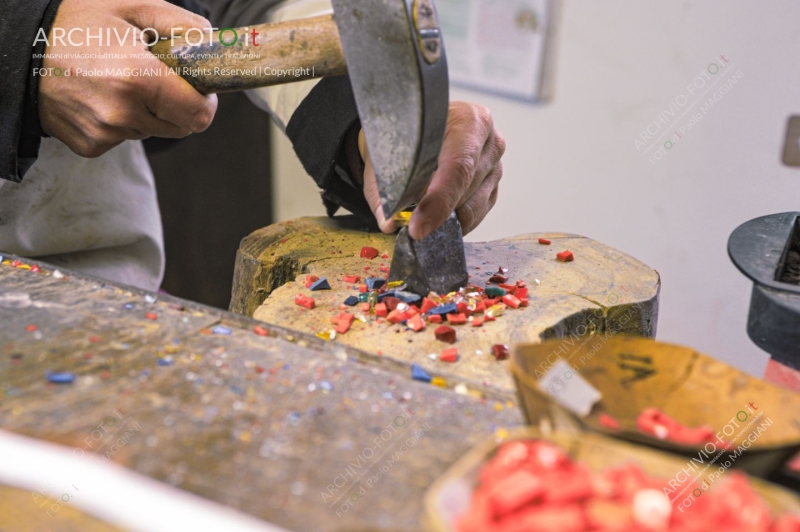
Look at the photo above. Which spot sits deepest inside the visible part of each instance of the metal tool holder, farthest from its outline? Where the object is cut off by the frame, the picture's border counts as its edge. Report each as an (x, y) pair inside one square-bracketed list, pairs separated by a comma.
[(767, 250)]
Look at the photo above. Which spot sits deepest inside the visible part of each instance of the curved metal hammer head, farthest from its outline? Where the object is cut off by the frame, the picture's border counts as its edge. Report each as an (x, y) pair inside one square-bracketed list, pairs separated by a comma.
[(398, 71)]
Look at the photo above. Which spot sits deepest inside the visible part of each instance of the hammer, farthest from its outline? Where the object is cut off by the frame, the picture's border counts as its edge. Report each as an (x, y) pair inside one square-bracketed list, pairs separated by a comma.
[(394, 53)]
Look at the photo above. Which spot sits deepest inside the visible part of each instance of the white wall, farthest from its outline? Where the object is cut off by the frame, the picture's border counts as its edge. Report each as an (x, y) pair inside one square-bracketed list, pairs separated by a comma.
[(571, 165), (294, 193)]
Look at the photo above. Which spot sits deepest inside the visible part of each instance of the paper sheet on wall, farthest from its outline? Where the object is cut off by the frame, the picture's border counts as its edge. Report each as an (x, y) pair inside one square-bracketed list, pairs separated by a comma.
[(497, 46)]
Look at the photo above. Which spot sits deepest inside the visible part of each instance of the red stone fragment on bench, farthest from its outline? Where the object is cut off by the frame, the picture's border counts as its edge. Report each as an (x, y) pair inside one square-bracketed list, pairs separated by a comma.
[(395, 317), (565, 256), (368, 252), (304, 301), (343, 326), (511, 301), (343, 322), (544, 241), (427, 304), (449, 355), (500, 351), (444, 333), (391, 302), (415, 323), (456, 319)]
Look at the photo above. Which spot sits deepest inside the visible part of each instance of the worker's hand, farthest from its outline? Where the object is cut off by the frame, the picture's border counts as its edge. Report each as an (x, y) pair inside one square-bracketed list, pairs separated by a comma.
[(466, 180), (92, 114)]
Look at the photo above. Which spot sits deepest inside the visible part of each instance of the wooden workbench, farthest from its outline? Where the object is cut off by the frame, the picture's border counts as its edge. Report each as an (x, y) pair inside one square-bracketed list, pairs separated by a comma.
[(261, 424)]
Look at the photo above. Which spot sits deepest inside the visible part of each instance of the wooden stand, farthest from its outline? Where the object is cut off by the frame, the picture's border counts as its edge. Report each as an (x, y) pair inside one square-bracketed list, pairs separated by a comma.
[(263, 424)]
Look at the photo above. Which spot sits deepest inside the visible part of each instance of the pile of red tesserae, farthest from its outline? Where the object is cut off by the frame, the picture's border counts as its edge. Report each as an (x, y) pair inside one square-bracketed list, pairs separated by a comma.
[(534, 486), (654, 421)]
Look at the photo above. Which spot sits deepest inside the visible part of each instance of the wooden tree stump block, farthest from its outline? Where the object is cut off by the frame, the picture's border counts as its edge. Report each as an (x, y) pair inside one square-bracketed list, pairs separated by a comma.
[(601, 291), (634, 374)]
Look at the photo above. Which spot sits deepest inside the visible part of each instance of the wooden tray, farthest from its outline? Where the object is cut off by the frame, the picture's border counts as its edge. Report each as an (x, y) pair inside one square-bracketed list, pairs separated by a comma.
[(636, 373)]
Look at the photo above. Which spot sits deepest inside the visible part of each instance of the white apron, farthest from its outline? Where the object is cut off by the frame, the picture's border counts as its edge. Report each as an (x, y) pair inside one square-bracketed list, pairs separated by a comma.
[(97, 216)]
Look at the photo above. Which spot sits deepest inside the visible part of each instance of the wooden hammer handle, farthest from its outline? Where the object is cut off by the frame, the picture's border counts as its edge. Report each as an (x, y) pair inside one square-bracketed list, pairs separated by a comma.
[(239, 59)]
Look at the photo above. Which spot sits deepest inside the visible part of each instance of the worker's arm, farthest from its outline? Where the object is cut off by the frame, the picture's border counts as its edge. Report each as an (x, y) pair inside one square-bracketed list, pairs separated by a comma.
[(90, 114), (467, 178), (19, 123), (321, 120), (93, 114)]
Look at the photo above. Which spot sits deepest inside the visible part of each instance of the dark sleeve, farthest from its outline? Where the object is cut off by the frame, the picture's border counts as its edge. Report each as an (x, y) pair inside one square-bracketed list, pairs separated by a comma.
[(20, 132), (320, 130)]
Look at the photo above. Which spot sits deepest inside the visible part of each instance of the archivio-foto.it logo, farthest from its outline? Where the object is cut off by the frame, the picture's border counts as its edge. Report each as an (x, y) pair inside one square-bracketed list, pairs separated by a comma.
[(149, 36)]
